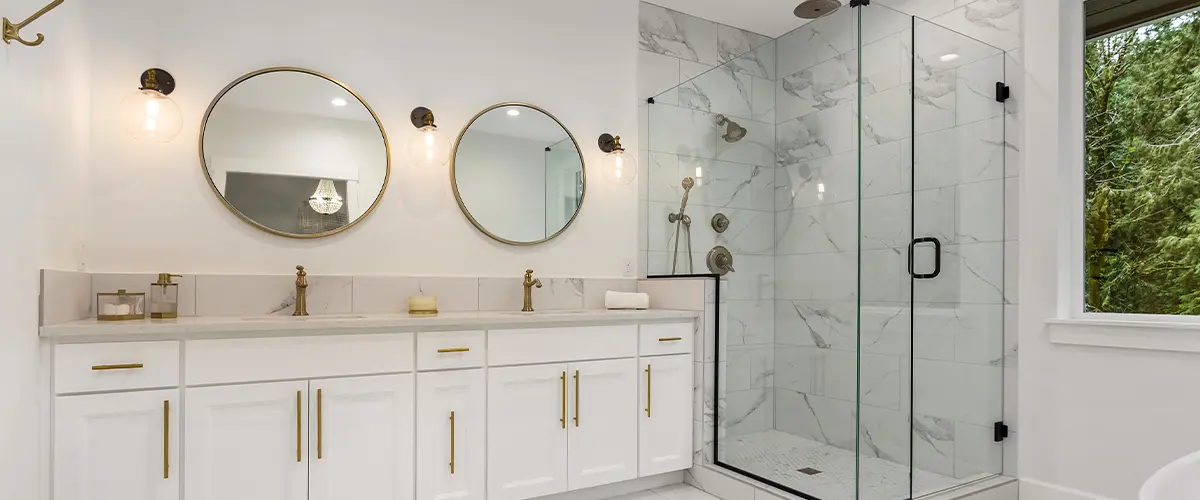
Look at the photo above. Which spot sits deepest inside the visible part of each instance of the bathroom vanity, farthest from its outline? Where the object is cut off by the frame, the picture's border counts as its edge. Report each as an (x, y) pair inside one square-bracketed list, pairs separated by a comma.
[(503, 406)]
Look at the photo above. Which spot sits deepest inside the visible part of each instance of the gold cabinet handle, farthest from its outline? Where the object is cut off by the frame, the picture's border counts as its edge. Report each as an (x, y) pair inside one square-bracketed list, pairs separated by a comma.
[(166, 439), (319, 418), (670, 339), (299, 437), (576, 398), (451, 441), (454, 349), (563, 420), (130, 366), (647, 391)]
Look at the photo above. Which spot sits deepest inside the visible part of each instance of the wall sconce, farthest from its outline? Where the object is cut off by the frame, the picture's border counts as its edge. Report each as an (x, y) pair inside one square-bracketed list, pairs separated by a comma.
[(148, 114), (13, 31), (427, 147), (619, 167)]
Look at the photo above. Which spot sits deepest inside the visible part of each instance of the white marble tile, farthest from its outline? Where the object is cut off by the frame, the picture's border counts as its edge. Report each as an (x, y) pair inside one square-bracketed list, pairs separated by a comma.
[(973, 273), (1012, 203), (975, 451), (763, 100), (815, 41), (885, 433), (594, 290), (715, 183), (818, 229), (717, 90), (967, 333), (880, 378), (65, 296), (744, 51), (960, 155), (995, 22), (937, 215), (657, 74), (816, 135), (884, 275), (887, 222), (237, 295), (882, 170), (750, 232), (682, 492), (682, 131), (958, 391), (797, 368), (677, 34), (938, 49), (976, 90), (935, 105), (821, 181), (1012, 130), (748, 411), (888, 116), (818, 418), (816, 323), (877, 24), (933, 444), (389, 294), (1012, 264), (921, 8), (189, 300), (750, 367), (751, 322), (980, 210), (677, 293), (716, 483), (507, 294), (886, 329), (829, 84), (886, 63), (829, 276), (754, 278)]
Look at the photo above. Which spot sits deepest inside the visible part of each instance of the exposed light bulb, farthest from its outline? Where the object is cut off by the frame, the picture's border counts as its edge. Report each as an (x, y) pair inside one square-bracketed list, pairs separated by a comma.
[(152, 110), (339, 102), (620, 167), (150, 116), (427, 148)]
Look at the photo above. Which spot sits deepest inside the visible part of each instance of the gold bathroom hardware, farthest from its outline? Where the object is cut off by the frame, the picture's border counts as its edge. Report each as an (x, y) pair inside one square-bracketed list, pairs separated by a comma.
[(670, 339), (451, 441), (299, 436), (454, 349), (647, 391), (130, 366), (301, 292), (576, 398), (563, 420), (319, 447), (166, 439), (529, 283), (12, 31)]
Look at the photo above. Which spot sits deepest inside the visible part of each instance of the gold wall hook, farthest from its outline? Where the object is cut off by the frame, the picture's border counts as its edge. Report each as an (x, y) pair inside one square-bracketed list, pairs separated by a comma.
[(12, 31)]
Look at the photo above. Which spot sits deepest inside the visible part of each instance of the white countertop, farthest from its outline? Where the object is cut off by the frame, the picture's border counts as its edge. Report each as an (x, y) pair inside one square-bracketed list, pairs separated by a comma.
[(193, 327)]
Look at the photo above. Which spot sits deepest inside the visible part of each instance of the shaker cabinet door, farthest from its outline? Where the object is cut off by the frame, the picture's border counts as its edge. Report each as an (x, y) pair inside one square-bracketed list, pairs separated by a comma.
[(665, 414), (451, 422), (602, 435), (360, 439), (527, 431)]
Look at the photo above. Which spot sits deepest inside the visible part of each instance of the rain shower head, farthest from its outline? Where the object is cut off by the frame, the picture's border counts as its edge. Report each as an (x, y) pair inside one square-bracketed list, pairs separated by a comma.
[(733, 131), (812, 9)]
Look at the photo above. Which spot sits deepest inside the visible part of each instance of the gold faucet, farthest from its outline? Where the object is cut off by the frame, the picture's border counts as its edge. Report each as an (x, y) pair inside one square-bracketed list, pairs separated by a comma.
[(530, 282), (301, 292)]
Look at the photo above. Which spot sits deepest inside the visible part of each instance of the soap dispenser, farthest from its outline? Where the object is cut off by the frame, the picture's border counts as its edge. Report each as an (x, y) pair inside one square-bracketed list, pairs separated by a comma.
[(164, 297)]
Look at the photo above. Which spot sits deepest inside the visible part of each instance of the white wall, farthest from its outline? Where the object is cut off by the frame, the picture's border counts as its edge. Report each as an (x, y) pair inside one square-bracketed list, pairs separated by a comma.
[(573, 58), (43, 94), (502, 180), (1095, 422)]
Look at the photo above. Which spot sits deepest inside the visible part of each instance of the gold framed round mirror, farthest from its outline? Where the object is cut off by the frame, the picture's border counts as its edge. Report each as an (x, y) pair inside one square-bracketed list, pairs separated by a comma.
[(518, 174), (294, 152)]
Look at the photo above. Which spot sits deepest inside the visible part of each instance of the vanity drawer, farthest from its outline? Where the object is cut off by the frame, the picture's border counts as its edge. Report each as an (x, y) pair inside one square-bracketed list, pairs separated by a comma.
[(446, 350), (552, 345), (227, 361), (115, 366), (671, 338)]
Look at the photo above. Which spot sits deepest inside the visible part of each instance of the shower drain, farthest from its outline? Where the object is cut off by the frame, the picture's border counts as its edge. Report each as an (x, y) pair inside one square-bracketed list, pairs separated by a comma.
[(809, 470)]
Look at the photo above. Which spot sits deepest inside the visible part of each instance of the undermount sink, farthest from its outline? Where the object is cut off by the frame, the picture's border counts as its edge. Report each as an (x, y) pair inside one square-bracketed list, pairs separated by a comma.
[(304, 318)]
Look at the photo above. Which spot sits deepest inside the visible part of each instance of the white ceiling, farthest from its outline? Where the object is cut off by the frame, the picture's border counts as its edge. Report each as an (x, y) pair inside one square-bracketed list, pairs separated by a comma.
[(773, 18)]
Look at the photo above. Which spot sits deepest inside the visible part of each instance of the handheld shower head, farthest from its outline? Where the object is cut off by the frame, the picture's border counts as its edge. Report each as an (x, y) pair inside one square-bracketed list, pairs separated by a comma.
[(688, 182), (733, 131)]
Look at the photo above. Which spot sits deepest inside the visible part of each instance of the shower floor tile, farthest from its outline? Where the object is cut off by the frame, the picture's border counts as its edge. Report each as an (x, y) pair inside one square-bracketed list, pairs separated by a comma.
[(779, 456)]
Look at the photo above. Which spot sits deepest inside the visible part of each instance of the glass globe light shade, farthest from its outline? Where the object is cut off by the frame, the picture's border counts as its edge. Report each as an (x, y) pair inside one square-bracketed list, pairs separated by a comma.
[(428, 148), (620, 167), (148, 115)]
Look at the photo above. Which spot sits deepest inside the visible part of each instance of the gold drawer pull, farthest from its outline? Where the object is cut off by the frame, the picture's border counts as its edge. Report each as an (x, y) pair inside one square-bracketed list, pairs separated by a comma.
[(166, 439), (319, 437), (670, 339), (451, 442), (130, 366), (647, 391), (299, 436), (564, 401), (454, 349)]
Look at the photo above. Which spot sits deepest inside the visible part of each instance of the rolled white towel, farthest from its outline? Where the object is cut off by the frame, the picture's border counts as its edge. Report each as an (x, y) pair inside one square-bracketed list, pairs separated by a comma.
[(622, 300)]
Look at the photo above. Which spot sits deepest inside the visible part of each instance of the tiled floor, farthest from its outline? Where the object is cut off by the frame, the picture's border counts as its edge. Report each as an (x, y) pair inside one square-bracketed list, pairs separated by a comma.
[(674, 492), (778, 456)]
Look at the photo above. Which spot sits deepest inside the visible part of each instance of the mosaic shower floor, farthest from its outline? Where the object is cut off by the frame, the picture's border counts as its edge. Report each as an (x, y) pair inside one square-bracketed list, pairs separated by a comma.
[(779, 456)]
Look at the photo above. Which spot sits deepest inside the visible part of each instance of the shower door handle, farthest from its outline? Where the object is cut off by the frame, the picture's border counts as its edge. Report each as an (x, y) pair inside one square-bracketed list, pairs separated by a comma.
[(937, 258)]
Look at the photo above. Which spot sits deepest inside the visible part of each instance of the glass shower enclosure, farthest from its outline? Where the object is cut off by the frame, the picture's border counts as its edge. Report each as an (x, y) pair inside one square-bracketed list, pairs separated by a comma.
[(859, 162)]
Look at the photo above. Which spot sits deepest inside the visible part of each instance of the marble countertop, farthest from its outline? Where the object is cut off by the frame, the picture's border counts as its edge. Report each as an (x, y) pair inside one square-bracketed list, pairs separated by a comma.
[(192, 327)]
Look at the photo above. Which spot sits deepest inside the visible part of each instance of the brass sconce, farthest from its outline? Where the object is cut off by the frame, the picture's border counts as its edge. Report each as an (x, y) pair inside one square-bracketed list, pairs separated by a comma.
[(13, 31), (148, 114), (619, 167), (427, 148)]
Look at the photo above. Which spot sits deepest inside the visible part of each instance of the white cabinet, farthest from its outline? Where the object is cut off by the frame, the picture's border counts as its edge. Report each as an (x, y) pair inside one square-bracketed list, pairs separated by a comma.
[(122, 446), (451, 423), (361, 438), (527, 431), (246, 442), (602, 432), (665, 421)]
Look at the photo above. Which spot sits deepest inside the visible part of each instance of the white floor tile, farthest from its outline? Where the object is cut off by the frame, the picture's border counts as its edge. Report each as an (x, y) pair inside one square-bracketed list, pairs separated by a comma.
[(683, 492)]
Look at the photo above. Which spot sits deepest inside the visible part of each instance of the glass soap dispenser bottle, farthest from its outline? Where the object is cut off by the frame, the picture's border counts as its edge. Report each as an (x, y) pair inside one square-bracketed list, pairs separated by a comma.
[(164, 297)]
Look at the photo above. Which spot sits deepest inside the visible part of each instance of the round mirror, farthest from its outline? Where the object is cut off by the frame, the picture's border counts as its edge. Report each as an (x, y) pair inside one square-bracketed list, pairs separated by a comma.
[(518, 174), (294, 152)]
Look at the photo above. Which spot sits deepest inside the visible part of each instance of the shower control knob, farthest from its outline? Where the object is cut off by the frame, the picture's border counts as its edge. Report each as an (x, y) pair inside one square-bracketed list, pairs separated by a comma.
[(720, 222), (720, 261)]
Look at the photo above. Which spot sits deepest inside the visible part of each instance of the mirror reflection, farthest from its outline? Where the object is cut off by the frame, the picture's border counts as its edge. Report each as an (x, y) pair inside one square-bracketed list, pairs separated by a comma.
[(518, 174), (294, 152)]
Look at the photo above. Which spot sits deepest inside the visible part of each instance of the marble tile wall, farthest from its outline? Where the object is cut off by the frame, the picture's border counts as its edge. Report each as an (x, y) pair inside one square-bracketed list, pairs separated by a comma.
[(69, 296), (696, 70)]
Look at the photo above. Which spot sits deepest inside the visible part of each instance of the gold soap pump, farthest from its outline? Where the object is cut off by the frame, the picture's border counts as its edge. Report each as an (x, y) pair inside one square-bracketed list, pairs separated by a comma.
[(164, 297)]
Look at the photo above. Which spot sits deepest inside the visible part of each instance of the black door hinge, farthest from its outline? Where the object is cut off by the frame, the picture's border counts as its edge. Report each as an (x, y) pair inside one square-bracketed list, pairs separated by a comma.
[(1003, 92), (856, 3), (1000, 432)]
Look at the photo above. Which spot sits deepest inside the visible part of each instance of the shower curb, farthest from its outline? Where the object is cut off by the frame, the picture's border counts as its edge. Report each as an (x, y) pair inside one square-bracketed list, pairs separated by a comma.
[(727, 485)]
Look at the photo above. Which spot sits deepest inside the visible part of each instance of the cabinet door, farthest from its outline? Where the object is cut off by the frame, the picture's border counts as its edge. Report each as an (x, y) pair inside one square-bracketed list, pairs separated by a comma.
[(665, 414), (122, 446), (360, 442), (246, 442), (602, 433), (527, 431), (442, 396)]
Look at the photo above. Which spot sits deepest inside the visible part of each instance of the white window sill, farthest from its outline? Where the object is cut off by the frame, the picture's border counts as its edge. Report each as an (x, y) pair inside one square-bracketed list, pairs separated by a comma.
[(1176, 336)]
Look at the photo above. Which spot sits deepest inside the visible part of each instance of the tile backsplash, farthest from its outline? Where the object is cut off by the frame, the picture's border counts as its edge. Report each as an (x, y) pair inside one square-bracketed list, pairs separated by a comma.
[(69, 296)]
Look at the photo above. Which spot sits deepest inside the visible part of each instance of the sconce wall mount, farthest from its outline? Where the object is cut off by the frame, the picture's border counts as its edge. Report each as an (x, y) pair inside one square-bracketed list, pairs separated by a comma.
[(618, 166), (12, 31)]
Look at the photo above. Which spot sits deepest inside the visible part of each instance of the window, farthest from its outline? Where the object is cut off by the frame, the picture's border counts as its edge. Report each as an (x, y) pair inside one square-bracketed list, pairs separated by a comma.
[(1142, 169)]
